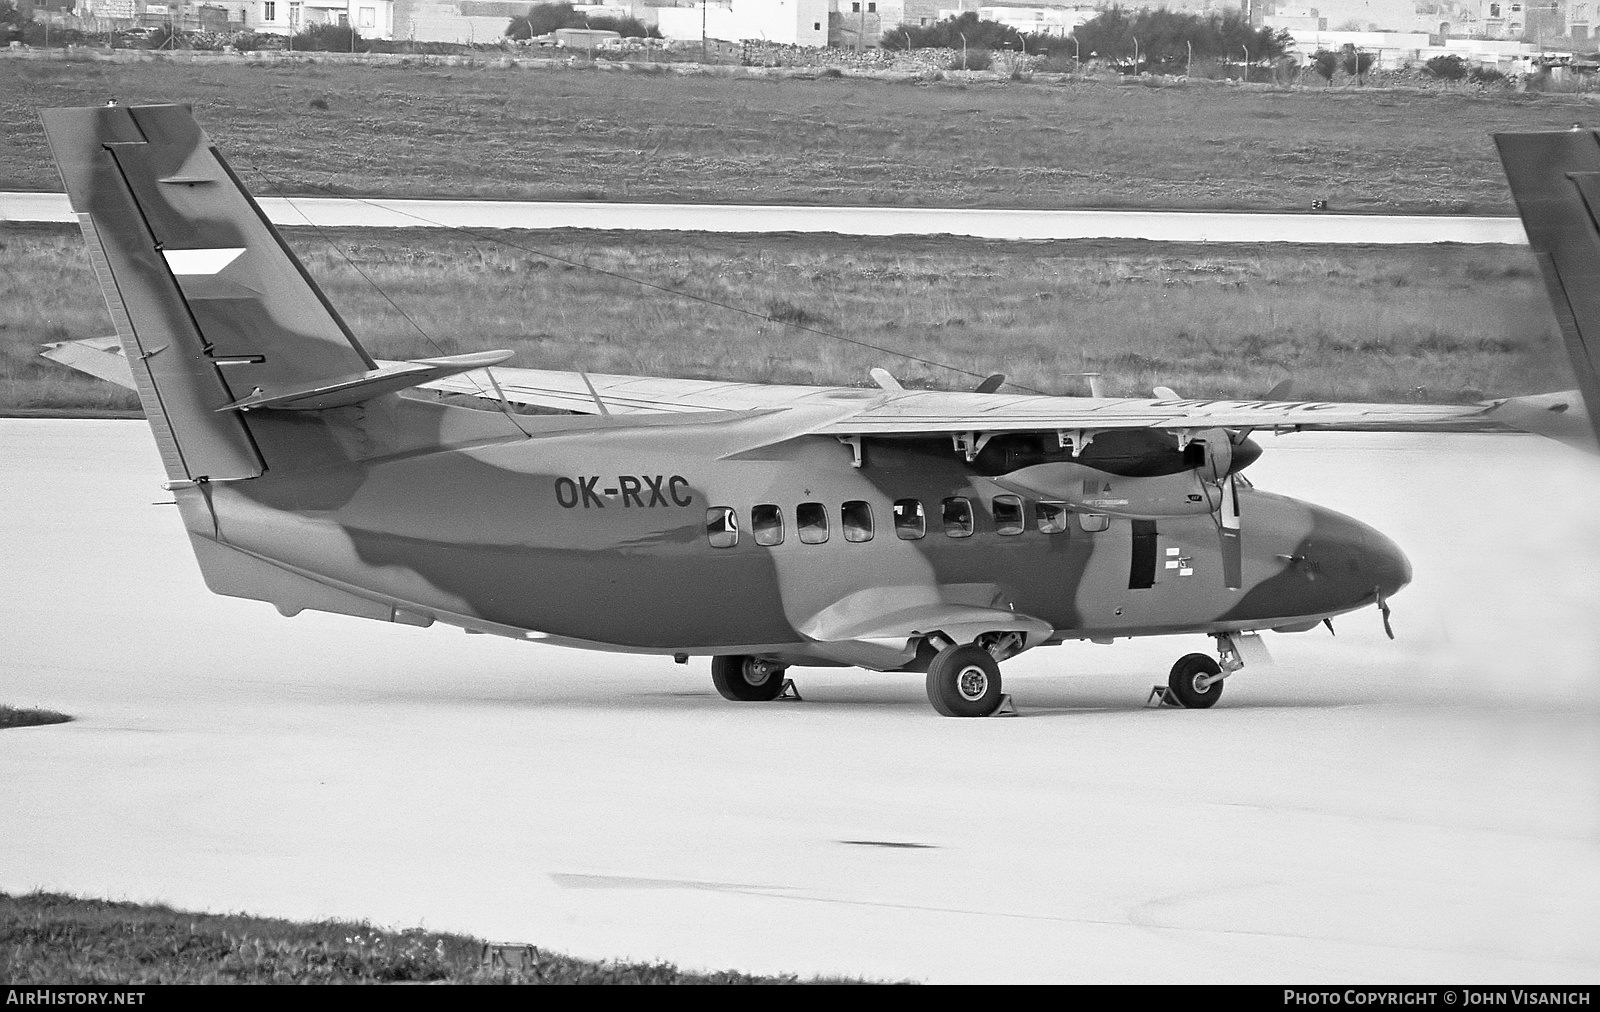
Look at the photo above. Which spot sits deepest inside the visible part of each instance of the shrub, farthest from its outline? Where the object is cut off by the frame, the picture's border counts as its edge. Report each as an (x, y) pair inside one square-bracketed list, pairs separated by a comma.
[(1325, 63), (1486, 76), (329, 39), (1447, 68), (947, 34), (975, 59), (1355, 62)]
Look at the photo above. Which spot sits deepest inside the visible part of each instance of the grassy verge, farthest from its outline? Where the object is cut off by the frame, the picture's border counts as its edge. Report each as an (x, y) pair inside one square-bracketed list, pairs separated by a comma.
[(47, 938), (1432, 323), (588, 135), (13, 716)]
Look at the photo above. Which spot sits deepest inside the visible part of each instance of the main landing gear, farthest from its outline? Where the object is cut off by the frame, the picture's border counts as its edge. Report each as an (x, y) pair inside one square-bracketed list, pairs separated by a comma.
[(747, 679), (964, 681)]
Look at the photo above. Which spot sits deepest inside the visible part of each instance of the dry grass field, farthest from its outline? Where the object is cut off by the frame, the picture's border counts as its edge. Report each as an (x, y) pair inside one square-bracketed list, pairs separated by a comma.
[(47, 938), (1435, 323), (592, 135)]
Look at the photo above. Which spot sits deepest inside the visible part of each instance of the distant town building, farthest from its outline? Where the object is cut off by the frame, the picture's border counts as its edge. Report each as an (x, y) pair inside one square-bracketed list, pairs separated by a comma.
[(372, 19), (788, 22)]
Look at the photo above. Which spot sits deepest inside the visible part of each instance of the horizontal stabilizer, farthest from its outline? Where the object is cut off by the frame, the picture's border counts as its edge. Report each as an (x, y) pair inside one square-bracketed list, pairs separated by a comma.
[(352, 389), (100, 357)]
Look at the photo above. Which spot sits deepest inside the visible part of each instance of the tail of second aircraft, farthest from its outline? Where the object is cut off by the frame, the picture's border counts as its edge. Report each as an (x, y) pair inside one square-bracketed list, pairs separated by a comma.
[(1555, 179), (226, 335)]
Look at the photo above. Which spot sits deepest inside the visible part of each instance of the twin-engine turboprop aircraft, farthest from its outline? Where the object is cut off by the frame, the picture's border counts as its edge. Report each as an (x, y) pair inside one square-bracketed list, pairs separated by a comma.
[(765, 526)]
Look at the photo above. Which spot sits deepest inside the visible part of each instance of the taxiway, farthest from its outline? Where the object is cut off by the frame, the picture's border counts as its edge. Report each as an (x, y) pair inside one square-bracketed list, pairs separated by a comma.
[(1418, 811), (978, 222)]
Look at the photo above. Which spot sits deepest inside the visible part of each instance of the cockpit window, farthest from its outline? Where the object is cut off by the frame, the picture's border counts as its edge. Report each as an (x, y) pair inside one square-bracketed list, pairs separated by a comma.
[(811, 519), (722, 526), (856, 518), (958, 518)]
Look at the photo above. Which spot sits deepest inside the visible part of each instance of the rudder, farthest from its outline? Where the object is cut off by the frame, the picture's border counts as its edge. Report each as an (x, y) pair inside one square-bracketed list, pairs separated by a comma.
[(209, 303)]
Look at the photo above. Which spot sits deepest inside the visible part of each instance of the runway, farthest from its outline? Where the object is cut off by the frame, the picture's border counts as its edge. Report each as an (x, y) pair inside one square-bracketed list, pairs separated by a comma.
[(1426, 810), (984, 223)]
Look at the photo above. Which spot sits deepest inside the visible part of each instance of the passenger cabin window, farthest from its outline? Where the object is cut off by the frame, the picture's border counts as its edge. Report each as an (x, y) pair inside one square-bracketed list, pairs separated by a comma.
[(1052, 517), (958, 518), (811, 519), (1008, 515), (722, 526), (766, 523), (856, 518), (910, 522), (1093, 522)]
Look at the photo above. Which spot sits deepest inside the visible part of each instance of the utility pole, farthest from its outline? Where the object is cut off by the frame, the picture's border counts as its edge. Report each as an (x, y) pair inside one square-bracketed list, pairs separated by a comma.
[(703, 31), (861, 30), (1247, 62), (1188, 67)]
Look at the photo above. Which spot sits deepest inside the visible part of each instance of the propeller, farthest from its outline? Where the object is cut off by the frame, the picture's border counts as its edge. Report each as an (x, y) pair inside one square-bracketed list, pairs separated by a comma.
[(991, 384), (1219, 470), (1226, 454)]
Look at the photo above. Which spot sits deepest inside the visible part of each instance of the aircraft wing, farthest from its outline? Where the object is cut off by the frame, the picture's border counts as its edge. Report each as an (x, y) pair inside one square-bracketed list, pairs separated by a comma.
[(892, 412), (631, 395)]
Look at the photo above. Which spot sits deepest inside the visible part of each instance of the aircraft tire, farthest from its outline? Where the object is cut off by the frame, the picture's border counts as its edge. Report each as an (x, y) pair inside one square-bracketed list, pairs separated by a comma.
[(737, 677), (964, 681), (1181, 682)]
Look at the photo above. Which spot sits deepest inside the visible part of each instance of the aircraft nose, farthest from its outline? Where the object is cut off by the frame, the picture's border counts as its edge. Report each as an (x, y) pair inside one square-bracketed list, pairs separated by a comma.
[(1389, 568)]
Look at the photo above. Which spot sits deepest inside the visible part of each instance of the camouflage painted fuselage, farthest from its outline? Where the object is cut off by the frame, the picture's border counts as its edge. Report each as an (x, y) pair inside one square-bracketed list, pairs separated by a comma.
[(593, 531)]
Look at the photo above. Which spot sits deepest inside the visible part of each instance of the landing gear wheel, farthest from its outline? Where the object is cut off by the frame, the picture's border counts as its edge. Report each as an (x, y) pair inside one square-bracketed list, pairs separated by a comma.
[(964, 681), (746, 679), (1185, 682)]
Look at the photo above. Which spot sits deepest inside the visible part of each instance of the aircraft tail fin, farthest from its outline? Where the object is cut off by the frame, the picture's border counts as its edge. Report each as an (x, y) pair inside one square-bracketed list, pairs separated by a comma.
[(216, 316), (1555, 179)]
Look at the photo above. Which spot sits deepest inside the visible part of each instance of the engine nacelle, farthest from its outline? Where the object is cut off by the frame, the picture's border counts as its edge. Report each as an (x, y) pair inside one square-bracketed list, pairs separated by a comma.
[(1087, 490)]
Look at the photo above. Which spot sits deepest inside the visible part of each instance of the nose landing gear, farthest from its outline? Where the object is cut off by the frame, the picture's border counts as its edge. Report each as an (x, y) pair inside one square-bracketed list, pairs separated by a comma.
[(1196, 680)]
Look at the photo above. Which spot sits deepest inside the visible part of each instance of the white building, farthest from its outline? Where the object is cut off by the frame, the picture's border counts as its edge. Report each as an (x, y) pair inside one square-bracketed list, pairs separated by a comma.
[(1400, 49), (373, 19), (789, 22), (1030, 20)]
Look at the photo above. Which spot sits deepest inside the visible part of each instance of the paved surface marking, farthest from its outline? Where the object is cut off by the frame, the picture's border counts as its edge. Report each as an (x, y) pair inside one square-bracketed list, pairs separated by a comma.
[(1413, 811), (986, 223)]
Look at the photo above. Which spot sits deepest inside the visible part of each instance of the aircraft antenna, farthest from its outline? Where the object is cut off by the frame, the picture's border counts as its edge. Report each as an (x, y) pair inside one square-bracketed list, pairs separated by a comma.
[(764, 317)]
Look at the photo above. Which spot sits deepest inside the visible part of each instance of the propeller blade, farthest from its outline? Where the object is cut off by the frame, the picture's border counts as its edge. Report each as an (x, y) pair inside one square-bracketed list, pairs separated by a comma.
[(1219, 453), (886, 380), (1383, 609), (1281, 391), (991, 384), (1167, 394), (1231, 536)]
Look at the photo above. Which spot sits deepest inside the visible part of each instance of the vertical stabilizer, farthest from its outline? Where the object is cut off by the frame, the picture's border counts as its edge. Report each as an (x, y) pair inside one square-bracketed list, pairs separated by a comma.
[(209, 303), (1555, 179)]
